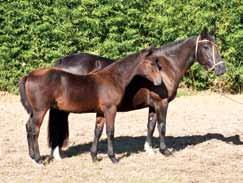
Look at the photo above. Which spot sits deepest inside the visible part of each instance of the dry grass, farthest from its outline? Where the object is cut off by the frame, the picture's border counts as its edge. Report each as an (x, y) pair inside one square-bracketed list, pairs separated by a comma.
[(205, 132)]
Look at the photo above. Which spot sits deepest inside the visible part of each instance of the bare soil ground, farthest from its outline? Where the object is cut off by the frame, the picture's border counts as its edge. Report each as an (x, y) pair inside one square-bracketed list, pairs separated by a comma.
[(204, 131)]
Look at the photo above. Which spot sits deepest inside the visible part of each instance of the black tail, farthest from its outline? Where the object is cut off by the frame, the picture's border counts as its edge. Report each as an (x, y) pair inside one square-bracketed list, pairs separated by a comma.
[(57, 128), (23, 97)]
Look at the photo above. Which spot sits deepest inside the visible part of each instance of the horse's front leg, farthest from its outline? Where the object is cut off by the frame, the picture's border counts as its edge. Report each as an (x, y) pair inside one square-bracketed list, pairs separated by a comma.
[(100, 120), (161, 112), (152, 119), (110, 114)]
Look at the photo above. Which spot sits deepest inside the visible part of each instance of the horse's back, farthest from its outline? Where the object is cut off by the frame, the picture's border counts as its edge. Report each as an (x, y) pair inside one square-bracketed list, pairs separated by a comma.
[(82, 63)]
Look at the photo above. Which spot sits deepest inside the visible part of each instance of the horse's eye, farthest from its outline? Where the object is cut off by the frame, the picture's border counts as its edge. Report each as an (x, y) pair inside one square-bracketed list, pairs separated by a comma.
[(154, 64), (206, 47), (158, 64)]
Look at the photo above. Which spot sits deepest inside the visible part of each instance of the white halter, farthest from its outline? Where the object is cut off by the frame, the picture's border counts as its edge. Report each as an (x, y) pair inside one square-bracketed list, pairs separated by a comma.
[(213, 48)]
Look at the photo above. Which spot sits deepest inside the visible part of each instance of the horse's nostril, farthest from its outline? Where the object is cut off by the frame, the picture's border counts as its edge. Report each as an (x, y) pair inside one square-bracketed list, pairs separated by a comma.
[(220, 69)]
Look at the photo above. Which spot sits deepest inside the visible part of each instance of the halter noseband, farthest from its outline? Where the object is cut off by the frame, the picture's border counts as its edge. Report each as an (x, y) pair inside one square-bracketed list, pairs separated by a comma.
[(213, 46)]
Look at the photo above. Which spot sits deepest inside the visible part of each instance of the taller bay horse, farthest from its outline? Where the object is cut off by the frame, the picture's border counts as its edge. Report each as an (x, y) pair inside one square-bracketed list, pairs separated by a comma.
[(174, 58), (100, 92)]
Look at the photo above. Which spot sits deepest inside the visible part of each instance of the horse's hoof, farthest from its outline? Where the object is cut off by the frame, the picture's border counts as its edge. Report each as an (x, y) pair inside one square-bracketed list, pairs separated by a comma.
[(38, 163), (56, 154), (148, 149), (94, 157), (165, 152), (113, 159)]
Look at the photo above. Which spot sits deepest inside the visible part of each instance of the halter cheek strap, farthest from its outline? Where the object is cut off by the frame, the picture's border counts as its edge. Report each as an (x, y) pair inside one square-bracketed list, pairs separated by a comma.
[(213, 51)]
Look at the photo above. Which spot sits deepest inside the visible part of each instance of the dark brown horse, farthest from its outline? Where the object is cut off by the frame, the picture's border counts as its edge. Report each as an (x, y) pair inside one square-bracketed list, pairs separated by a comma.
[(175, 59), (100, 92)]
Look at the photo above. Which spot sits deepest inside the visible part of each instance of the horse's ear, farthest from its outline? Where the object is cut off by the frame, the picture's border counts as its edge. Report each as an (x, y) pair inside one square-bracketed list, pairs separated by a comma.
[(213, 31), (204, 33), (98, 64), (148, 51)]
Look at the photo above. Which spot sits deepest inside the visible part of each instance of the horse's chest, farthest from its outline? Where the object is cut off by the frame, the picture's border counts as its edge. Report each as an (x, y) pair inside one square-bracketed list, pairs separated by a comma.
[(172, 95), (110, 96)]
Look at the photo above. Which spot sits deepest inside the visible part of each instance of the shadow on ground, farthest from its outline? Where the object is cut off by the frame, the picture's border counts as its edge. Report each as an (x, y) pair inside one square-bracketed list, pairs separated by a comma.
[(129, 145)]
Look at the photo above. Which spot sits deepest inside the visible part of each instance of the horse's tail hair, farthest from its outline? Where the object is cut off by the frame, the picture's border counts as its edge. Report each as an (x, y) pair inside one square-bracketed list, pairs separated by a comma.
[(23, 96), (58, 132)]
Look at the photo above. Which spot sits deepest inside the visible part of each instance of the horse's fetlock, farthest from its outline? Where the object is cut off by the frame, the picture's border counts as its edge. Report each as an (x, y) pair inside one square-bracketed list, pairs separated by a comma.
[(110, 132)]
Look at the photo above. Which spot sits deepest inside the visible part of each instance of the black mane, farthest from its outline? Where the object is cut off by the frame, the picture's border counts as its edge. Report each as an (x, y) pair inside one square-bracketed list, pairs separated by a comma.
[(171, 46)]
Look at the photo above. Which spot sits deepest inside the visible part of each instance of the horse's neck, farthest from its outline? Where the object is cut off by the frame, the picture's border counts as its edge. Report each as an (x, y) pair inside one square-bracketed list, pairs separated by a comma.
[(179, 59), (185, 57), (124, 71)]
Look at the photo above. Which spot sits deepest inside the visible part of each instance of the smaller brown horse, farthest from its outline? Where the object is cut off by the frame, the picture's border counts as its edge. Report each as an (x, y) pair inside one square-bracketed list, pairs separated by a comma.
[(99, 92)]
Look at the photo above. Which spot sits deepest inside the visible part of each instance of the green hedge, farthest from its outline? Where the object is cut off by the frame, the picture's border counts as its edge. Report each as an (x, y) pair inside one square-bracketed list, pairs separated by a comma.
[(35, 33)]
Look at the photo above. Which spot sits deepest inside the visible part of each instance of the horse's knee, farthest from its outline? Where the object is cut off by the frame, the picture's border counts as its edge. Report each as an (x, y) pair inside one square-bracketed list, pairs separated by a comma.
[(99, 126), (98, 131), (152, 117), (152, 121), (162, 127)]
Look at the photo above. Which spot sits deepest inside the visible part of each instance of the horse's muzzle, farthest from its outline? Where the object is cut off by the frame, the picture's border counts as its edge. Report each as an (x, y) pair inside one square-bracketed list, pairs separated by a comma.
[(220, 69)]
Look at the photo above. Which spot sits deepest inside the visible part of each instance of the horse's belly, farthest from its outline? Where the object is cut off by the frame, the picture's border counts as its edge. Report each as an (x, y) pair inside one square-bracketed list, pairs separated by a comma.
[(77, 105)]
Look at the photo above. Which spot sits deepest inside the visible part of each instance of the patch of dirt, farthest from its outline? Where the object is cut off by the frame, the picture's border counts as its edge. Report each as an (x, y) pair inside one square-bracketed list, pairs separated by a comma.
[(205, 132)]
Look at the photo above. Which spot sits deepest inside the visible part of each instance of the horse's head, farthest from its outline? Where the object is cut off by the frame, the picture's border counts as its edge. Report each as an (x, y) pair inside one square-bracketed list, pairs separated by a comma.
[(207, 53), (149, 67)]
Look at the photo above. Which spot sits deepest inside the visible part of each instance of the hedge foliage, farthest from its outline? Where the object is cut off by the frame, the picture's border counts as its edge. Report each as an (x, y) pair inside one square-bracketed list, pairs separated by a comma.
[(35, 33)]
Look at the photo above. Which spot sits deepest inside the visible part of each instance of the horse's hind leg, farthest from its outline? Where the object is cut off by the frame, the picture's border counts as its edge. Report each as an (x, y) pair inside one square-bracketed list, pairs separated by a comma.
[(100, 120), (33, 129), (152, 119), (30, 137), (57, 131)]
